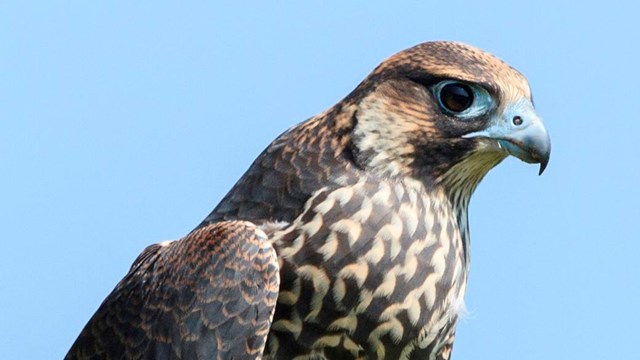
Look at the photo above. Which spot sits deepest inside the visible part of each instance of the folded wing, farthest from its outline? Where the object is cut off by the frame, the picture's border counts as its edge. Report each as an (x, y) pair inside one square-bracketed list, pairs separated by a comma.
[(210, 295)]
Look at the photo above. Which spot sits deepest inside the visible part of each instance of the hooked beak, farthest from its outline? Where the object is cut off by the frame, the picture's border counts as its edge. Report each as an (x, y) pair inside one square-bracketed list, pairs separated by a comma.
[(520, 132)]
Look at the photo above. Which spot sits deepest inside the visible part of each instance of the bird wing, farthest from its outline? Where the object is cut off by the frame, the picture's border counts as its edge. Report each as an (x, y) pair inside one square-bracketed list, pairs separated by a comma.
[(287, 173), (210, 295)]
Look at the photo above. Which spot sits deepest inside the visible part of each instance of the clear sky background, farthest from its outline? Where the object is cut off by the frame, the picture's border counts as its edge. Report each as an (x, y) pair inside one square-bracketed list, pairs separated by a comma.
[(124, 124)]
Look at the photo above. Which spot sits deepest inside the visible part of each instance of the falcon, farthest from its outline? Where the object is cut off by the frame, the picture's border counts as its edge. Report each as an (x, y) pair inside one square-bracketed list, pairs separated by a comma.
[(348, 236)]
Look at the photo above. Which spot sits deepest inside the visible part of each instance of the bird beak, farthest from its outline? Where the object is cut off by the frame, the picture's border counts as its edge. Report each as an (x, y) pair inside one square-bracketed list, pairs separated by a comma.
[(520, 132)]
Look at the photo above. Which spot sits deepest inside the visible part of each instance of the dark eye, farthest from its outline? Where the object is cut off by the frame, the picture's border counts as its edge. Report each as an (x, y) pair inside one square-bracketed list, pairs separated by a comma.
[(456, 97), (462, 100)]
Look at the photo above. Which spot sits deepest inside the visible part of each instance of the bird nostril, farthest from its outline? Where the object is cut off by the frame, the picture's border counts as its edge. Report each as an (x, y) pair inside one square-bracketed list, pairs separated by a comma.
[(517, 120)]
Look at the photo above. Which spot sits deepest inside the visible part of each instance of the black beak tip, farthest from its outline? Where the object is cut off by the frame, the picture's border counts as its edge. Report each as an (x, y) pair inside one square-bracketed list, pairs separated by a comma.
[(543, 165), (544, 160)]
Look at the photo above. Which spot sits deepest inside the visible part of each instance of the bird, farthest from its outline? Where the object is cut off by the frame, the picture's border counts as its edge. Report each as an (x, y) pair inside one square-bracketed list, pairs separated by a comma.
[(348, 236)]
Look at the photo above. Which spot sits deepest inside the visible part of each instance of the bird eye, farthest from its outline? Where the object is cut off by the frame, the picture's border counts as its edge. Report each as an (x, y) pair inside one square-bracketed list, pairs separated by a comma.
[(462, 100), (456, 97)]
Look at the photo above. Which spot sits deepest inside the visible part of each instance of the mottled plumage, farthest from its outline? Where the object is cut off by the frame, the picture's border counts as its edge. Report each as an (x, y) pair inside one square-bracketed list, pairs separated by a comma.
[(365, 205), (183, 299)]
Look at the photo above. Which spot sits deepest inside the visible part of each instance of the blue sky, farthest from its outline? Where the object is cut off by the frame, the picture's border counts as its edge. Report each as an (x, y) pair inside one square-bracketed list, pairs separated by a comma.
[(124, 124)]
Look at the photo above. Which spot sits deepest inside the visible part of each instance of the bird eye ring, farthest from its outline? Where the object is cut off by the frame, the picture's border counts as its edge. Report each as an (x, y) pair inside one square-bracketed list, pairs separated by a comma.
[(462, 100), (455, 97)]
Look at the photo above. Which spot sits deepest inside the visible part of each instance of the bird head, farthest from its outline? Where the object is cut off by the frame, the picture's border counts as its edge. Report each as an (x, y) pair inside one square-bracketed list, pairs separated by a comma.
[(445, 110)]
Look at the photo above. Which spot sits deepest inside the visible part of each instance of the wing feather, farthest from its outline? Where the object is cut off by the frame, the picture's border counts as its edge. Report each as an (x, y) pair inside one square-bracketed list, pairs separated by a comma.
[(209, 295)]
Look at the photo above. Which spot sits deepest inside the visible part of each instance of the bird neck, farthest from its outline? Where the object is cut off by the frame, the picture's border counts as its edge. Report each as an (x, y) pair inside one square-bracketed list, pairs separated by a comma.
[(461, 179), (459, 183)]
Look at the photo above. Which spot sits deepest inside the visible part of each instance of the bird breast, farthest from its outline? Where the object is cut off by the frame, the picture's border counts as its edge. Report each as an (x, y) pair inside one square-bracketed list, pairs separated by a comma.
[(375, 262)]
